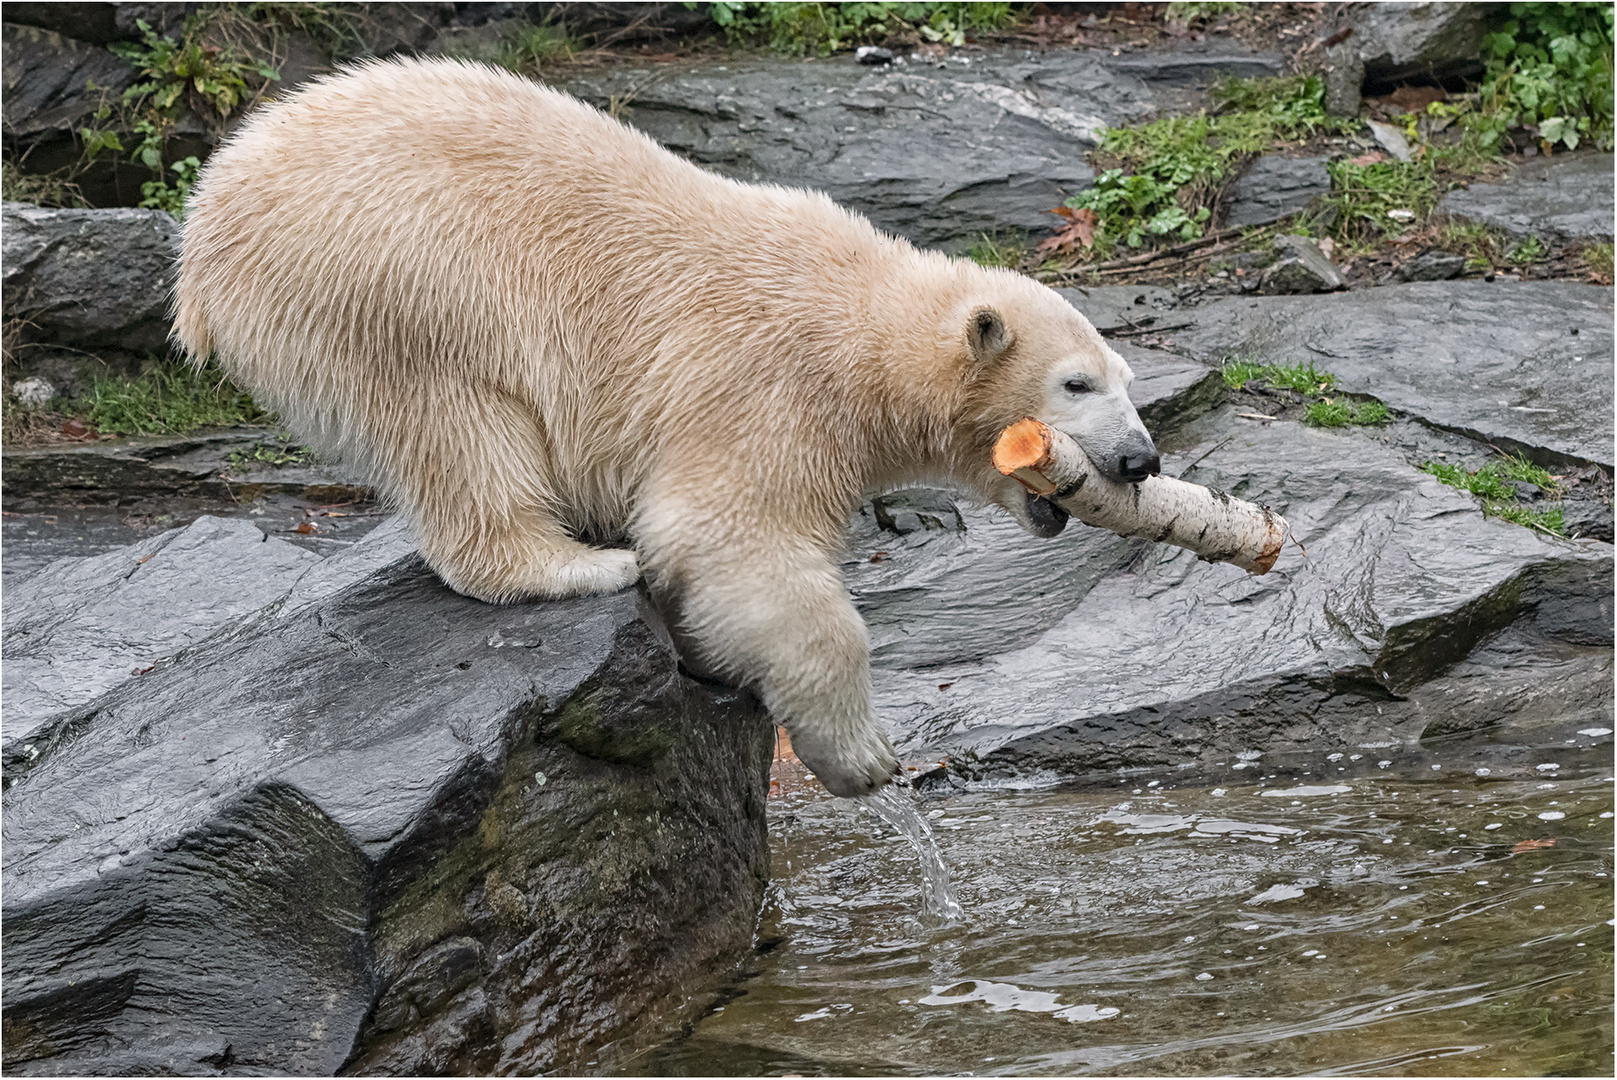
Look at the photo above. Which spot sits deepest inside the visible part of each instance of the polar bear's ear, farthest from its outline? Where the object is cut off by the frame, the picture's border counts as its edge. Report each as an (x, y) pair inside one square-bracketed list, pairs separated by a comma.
[(987, 335)]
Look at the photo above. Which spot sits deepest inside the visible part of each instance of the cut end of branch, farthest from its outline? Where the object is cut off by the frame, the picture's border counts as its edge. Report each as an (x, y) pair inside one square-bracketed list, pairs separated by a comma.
[(1023, 445)]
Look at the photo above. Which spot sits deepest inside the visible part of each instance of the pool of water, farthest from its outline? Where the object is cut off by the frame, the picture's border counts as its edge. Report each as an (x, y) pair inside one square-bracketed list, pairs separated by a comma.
[(1340, 917)]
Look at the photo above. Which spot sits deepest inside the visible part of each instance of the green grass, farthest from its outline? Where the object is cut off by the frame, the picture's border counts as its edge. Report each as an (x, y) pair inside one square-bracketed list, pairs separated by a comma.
[(1493, 484), (1340, 412), (279, 452), (798, 29), (997, 250), (1190, 11), (1372, 201), (531, 46), (1303, 378), (1168, 171), (1597, 258), (169, 399)]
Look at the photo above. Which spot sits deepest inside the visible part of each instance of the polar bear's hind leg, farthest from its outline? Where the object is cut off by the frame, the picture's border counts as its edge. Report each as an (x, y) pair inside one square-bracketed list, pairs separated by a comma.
[(478, 491)]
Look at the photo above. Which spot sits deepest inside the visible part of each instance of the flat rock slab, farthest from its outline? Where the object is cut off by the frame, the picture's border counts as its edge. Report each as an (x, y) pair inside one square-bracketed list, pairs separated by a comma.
[(935, 153), (1569, 195), (374, 826), (1275, 187), (219, 464), (1525, 366), (1101, 653)]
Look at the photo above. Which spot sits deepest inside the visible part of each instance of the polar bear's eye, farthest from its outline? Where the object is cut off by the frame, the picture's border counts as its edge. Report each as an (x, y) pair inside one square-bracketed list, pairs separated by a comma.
[(1078, 386)]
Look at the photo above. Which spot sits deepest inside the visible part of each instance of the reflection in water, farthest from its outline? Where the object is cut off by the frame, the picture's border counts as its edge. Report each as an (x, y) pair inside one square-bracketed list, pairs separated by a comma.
[(1379, 923)]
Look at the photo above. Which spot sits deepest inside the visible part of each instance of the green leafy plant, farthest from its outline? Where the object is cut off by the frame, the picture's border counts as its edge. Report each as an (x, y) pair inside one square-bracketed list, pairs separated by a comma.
[(160, 195), (1170, 169), (1549, 65), (168, 399), (1530, 250), (1186, 12), (214, 77)]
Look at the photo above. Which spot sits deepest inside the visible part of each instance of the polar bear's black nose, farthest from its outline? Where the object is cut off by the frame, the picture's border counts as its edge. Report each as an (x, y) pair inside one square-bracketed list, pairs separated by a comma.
[(1138, 459)]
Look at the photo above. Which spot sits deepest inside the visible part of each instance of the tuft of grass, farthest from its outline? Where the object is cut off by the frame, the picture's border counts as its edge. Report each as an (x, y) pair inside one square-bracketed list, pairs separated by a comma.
[(47, 189), (1383, 199), (1482, 245), (1597, 260), (1339, 412), (798, 29), (531, 46), (1303, 378), (1550, 521), (997, 250), (279, 452), (1493, 485), (169, 399)]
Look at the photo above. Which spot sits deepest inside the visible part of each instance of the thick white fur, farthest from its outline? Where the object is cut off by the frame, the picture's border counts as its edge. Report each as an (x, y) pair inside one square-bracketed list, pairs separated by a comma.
[(526, 322)]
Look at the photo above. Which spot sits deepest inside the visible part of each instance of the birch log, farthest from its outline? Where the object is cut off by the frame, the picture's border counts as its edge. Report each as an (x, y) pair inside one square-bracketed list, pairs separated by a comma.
[(1214, 525)]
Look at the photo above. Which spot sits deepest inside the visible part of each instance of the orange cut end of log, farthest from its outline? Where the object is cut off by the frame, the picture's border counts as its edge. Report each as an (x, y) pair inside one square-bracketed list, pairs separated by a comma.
[(1023, 445)]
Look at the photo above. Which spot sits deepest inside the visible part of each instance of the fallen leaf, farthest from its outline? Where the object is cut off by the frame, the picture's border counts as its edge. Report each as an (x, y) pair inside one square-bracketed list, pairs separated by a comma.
[(1531, 845), (305, 529), (1415, 98), (1374, 157), (144, 670), (944, 685), (75, 429), (880, 556), (1078, 232)]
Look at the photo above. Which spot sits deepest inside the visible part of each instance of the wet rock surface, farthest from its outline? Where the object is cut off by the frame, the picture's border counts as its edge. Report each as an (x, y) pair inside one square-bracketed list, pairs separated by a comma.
[(1566, 195), (1274, 187), (88, 280), (370, 826), (937, 153), (1525, 365), (1010, 656)]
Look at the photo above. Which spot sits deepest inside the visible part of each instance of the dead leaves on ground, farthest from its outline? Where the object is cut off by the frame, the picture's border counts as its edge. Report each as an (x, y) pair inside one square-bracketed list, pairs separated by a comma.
[(1078, 232)]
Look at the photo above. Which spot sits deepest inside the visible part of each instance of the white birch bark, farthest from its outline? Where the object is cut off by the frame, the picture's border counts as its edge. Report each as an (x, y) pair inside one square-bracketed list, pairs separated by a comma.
[(1216, 526)]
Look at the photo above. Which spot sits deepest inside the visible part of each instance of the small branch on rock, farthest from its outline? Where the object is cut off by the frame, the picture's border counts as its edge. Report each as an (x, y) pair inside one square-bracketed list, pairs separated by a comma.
[(1215, 526)]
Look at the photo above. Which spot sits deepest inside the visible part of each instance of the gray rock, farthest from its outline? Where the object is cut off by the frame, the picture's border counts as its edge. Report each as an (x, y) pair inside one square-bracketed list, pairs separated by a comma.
[(1300, 268), (1343, 71), (207, 464), (1431, 266), (1524, 366), (1585, 517), (938, 154), (1275, 187), (1567, 195), (375, 826), (93, 24), (68, 637), (33, 391), (47, 79), (1398, 42), (90, 279), (1197, 65), (1100, 653), (1123, 307)]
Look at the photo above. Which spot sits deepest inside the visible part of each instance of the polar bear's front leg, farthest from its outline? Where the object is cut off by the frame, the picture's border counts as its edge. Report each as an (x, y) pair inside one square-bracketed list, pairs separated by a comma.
[(777, 617)]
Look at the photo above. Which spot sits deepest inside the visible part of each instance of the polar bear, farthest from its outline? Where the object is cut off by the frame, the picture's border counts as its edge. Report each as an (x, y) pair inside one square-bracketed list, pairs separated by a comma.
[(531, 326)]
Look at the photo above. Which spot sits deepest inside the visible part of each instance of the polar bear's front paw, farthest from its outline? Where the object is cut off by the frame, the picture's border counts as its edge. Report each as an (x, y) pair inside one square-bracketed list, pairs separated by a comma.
[(588, 571), (859, 767)]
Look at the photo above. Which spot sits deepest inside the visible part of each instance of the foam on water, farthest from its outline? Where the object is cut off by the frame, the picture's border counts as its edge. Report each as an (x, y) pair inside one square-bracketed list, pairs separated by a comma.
[(896, 807)]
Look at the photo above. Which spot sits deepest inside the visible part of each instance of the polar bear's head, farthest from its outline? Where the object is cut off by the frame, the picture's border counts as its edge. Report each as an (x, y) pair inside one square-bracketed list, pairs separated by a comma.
[(1027, 352)]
